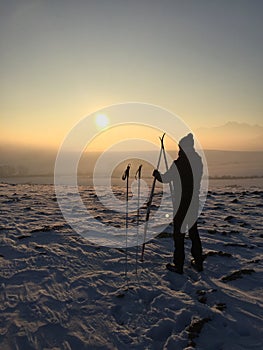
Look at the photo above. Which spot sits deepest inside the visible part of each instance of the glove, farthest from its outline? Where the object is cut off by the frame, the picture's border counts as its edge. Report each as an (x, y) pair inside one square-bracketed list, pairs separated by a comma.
[(156, 173)]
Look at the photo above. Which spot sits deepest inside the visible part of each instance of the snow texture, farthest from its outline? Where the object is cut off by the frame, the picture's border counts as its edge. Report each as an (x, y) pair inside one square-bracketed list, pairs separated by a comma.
[(58, 291)]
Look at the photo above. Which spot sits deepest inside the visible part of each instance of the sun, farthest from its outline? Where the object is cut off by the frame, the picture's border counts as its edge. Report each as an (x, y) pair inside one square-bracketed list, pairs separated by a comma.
[(102, 121)]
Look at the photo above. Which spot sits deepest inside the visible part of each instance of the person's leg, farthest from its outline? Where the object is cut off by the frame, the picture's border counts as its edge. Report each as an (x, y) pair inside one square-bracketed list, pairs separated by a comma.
[(179, 254), (196, 249)]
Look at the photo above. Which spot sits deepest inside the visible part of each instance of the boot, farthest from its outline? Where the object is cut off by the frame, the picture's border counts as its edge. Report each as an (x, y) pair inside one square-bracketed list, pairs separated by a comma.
[(175, 268), (197, 265)]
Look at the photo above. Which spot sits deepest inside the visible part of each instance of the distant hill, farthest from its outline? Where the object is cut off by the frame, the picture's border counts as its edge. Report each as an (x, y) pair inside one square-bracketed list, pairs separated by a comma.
[(232, 136)]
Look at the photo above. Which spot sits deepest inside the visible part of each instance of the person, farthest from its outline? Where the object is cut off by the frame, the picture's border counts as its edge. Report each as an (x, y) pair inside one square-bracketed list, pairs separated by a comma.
[(185, 174)]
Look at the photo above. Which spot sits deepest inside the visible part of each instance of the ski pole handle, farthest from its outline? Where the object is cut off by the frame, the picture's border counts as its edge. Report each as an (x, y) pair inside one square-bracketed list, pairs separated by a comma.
[(126, 173), (138, 173)]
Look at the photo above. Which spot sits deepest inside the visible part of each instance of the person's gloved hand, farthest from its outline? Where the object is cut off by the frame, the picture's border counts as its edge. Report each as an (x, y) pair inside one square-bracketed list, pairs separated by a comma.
[(156, 173)]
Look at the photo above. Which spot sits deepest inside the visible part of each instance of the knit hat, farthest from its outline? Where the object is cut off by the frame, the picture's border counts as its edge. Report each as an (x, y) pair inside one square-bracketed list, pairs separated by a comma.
[(187, 142)]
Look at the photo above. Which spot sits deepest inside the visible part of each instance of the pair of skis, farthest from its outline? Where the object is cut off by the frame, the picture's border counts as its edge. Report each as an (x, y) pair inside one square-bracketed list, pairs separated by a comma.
[(162, 152), (149, 203)]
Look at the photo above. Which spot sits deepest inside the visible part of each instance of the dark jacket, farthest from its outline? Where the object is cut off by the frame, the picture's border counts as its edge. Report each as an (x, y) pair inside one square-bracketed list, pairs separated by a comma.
[(185, 174)]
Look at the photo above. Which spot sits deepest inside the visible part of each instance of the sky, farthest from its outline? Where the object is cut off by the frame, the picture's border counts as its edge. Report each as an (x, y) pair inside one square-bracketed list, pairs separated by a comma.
[(62, 60)]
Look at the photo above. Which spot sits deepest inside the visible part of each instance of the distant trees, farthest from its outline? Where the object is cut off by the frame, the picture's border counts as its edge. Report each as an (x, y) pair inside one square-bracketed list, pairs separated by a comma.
[(9, 170)]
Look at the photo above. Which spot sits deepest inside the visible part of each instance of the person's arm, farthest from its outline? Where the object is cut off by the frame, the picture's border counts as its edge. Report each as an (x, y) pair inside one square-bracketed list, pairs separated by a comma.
[(166, 177)]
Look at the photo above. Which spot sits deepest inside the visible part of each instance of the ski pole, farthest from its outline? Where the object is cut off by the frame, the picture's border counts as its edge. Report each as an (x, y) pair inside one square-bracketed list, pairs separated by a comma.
[(150, 200), (125, 176), (138, 177)]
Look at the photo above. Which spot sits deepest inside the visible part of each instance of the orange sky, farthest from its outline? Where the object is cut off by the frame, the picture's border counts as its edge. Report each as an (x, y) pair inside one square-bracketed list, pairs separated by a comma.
[(61, 61)]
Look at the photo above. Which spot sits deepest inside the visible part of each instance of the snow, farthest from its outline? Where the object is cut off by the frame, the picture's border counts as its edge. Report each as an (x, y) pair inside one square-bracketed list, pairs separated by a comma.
[(59, 291)]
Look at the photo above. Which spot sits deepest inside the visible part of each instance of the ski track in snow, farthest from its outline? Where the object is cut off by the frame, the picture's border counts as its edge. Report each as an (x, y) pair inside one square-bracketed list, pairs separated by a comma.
[(58, 291)]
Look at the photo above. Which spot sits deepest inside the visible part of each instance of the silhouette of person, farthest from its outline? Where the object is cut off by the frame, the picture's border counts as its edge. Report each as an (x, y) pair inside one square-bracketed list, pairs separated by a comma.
[(185, 174)]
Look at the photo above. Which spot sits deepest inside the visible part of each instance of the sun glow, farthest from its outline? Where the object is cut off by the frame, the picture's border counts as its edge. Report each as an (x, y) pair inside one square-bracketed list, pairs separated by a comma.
[(102, 121)]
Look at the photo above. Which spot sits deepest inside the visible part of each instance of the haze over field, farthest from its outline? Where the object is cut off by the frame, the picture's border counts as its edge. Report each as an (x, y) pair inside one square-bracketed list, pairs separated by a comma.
[(242, 162)]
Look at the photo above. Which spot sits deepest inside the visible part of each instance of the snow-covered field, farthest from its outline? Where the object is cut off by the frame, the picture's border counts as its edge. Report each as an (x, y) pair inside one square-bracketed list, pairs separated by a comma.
[(58, 291)]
